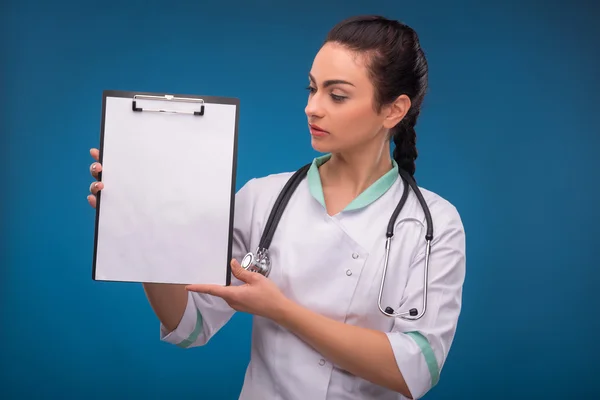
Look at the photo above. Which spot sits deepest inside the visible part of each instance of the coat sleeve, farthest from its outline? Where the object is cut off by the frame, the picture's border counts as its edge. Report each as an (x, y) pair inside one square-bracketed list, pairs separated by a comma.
[(421, 347), (204, 314)]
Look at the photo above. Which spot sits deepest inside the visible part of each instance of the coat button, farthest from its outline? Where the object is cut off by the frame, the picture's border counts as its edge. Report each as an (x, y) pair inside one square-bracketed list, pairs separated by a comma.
[(348, 272), (321, 362), (355, 256)]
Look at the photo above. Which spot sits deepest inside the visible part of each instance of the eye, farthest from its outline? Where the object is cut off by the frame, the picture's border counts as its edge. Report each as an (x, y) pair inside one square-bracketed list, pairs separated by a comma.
[(337, 98)]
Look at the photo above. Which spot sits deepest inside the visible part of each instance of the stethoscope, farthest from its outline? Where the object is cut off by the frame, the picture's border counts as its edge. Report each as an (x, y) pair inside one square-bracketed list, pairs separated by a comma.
[(261, 261)]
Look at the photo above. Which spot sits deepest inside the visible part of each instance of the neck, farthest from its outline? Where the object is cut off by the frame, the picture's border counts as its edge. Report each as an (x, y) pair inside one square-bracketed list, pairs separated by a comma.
[(355, 171)]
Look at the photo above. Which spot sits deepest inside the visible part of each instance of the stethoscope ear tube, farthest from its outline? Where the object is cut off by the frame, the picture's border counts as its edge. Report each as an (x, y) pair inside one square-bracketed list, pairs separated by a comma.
[(390, 228), (261, 261), (280, 205), (413, 184)]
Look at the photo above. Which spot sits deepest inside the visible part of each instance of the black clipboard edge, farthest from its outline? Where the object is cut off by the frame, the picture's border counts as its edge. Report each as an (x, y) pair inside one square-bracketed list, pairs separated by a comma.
[(207, 100)]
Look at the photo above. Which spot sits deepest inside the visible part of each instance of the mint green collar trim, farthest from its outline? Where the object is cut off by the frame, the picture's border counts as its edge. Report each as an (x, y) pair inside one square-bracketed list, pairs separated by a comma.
[(372, 193)]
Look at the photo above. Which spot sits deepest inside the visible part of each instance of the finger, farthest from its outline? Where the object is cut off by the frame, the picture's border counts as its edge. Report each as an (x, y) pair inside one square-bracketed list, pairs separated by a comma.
[(95, 187), (95, 168), (92, 200), (242, 274), (95, 153), (214, 290)]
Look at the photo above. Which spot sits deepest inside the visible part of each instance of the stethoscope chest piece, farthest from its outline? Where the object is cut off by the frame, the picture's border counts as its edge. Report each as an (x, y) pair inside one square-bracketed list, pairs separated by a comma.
[(261, 262)]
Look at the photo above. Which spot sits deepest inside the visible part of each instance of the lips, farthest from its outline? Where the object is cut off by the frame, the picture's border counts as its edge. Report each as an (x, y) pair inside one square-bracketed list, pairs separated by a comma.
[(315, 129)]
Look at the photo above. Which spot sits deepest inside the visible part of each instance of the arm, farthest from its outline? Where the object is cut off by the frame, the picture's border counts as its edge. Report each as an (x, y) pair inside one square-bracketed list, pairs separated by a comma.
[(191, 319), (168, 302), (363, 352), (408, 359), (179, 311)]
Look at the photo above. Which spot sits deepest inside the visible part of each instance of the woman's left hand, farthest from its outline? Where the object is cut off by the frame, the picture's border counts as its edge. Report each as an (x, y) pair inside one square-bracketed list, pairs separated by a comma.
[(258, 295)]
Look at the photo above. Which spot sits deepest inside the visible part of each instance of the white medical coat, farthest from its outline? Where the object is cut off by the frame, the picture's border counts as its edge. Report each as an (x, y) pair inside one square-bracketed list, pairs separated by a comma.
[(333, 265)]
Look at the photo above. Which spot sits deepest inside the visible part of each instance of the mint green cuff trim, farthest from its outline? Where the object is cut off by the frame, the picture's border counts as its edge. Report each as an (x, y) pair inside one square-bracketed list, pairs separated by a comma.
[(194, 335), (427, 351)]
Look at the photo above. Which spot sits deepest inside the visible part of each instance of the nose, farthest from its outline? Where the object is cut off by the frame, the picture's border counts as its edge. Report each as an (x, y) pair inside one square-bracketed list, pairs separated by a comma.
[(313, 108)]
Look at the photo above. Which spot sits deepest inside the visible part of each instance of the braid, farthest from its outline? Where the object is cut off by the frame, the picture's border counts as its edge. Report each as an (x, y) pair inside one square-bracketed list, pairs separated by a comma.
[(405, 141)]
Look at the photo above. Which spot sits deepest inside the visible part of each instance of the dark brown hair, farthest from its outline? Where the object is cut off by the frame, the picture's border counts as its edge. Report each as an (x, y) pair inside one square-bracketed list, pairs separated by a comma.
[(397, 65)]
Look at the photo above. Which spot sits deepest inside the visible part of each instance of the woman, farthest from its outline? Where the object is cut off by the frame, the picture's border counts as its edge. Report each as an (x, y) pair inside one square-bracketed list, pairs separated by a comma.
[(318, 332)]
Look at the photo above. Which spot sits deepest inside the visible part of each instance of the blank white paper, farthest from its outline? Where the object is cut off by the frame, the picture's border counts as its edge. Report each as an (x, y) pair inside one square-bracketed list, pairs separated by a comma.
[(164, 214)]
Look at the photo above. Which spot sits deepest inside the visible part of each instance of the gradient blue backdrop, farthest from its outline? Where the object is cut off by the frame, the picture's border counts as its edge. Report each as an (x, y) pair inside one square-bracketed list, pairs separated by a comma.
[(508, 134)]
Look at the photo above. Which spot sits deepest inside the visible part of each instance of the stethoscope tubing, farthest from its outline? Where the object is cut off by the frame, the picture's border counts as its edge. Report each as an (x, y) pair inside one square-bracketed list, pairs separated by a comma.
[(262, 253)]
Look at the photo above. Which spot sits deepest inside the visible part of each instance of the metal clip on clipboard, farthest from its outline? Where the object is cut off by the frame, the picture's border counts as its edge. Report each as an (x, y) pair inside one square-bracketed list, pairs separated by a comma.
[(167, 97)]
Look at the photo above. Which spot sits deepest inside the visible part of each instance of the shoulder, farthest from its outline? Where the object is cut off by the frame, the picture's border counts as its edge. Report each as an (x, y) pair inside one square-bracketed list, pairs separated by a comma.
[(268, 183), (444, 214), (253, 203), (264, 185), (438, 204), (261, 192)]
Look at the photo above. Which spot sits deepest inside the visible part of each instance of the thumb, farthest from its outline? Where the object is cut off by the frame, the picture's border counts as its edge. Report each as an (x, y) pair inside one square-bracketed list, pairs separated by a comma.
[(240, 273)]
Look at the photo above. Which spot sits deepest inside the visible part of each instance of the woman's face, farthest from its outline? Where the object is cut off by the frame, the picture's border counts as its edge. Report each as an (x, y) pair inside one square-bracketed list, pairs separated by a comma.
[(340, 109)]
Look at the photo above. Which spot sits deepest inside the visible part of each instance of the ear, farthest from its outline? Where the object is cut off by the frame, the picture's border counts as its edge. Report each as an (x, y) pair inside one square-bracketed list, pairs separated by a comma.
[(396, 111)]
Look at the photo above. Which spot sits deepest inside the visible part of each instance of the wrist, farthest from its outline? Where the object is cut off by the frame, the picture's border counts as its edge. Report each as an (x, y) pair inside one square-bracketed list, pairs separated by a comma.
[(282, 310)]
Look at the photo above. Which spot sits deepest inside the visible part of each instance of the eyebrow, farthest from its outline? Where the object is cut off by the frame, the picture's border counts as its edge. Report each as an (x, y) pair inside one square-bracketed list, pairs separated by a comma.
[(331, 81)]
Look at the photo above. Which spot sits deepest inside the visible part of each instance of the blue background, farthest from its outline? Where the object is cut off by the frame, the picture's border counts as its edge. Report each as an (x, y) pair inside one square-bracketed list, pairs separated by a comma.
[(508, 134)]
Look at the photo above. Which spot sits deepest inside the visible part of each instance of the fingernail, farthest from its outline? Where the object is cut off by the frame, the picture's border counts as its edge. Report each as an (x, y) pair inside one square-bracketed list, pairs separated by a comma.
[(94, 167), (96, 185)]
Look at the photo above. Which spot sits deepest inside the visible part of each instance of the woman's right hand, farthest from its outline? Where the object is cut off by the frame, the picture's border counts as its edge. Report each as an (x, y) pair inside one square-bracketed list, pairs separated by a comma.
[(95, 168)]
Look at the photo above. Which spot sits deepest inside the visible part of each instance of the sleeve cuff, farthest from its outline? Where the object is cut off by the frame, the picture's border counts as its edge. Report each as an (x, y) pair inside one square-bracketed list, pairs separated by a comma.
[(189, 328), (416, 361)]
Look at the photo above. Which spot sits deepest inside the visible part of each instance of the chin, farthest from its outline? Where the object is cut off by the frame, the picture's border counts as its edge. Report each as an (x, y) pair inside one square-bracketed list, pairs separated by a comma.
[(321, 146)]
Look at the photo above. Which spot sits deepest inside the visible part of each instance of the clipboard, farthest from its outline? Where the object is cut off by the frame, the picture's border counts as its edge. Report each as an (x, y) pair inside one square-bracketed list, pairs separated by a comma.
[(166, 212)]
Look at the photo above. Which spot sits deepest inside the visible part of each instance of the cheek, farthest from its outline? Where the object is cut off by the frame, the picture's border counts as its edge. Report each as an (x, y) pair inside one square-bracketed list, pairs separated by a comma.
[(356, 120)]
